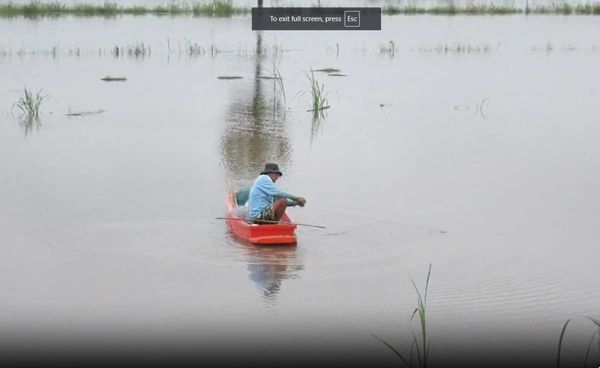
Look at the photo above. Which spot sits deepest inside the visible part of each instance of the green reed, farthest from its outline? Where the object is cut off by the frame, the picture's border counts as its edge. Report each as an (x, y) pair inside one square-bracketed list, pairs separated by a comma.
[(278, 81), (218, 8), (318, 95), (193, 49), (418, 354), (37, 8), (390, 48), (226, 8), (595, 336), (457, 48), (138, 50), (563, 8), (30, 103)]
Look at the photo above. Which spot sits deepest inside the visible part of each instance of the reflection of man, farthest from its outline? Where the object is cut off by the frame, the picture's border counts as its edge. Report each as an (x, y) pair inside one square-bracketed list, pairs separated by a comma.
[(267, 202), (267, 277), (269, 267)]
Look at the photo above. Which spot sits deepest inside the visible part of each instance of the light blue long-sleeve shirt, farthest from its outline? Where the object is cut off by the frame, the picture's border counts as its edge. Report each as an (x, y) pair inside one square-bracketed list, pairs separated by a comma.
[(262, 195)]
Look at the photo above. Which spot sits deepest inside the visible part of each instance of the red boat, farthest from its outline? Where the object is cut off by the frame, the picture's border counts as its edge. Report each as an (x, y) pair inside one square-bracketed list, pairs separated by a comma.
[(283, 233)]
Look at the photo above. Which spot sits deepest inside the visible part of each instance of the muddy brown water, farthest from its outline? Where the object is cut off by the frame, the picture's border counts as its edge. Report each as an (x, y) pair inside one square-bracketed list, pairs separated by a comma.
[(483, 164)]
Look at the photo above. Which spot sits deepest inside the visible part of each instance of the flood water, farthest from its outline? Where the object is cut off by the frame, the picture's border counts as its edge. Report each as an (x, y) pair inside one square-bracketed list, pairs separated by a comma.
[(483, 164)]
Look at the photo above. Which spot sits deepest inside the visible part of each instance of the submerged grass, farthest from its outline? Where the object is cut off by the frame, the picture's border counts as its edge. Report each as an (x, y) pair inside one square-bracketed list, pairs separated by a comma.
[(278, 82), (457, 48), (389, 49), (418, 354), (138, 50)]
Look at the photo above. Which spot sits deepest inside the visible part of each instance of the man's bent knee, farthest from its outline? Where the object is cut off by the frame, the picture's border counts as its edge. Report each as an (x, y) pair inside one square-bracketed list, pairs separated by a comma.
[(280, 203)]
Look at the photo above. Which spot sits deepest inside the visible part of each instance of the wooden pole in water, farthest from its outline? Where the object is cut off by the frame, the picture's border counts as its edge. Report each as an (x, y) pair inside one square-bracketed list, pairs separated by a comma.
[(271, 222)]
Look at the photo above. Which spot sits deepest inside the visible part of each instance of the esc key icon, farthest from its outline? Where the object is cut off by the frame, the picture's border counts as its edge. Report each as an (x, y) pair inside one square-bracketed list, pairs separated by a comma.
[(352, 18)]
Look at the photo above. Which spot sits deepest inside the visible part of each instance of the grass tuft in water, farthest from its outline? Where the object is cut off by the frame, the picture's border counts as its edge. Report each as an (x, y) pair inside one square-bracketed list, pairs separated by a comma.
[(317, 93), (30, 103), (389, 49), (138, 50), (457, 48), (194, 50), (278, 82)]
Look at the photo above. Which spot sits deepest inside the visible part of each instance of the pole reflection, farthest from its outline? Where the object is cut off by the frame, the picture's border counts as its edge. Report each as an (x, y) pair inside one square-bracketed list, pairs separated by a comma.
[(255, 131)]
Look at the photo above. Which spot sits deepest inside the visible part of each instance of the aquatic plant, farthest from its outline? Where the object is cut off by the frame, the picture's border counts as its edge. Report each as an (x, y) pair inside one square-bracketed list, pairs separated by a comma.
[(30, 103), (226, 8), (595, 336), (450, 10), (318, 95), (193, 49), (36, 8), (217, 8), (547, 47), (138, 50), (172, 8), (418, 354), (278, 81), (389, 49), (471, 9), (457, 48)]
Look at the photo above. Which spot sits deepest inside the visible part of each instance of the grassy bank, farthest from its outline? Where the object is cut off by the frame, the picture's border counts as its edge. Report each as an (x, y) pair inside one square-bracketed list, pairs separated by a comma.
[(558, 9), (216, 8), (225, 8)]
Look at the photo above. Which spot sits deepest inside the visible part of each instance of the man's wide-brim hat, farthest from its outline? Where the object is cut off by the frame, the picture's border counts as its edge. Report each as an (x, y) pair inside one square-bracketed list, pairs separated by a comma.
[(271, 168)]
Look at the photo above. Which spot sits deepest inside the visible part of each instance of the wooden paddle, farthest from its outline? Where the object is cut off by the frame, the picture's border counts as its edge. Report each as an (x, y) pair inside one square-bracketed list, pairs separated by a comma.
[(271, 222)]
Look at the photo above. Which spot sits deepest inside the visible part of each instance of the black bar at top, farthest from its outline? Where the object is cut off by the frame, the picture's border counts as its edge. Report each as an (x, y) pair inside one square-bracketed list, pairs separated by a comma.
[(316, 19)]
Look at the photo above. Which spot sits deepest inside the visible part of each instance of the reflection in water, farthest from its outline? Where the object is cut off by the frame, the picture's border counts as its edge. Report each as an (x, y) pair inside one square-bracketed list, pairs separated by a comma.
[(255, 132), (269, 266), (315, 126), (29, 123)]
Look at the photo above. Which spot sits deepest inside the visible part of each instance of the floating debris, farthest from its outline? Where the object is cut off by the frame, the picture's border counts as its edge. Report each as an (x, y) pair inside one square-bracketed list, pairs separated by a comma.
[(114, 79), (328, 70), (82, 113), (266, 77), (229, 77), (337, 75)]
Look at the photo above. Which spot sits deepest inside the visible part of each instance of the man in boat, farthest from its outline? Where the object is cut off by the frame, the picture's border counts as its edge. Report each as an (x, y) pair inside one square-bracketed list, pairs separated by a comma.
[(267, 203)]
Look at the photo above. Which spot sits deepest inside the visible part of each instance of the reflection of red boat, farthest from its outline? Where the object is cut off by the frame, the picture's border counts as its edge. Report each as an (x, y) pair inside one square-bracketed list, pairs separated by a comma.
[(275, 234)]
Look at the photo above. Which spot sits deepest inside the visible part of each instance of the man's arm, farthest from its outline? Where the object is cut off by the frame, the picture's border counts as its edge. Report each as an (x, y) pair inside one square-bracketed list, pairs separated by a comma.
[(271, 189)]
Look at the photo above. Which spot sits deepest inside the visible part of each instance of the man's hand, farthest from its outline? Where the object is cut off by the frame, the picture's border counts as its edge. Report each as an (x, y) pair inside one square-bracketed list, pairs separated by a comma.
[(301, 201)]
